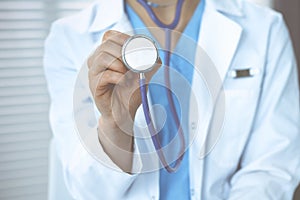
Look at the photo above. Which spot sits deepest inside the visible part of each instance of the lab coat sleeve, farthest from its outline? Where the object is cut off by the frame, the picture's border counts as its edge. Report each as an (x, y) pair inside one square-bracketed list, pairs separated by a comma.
[(270, 165), (85, 177)]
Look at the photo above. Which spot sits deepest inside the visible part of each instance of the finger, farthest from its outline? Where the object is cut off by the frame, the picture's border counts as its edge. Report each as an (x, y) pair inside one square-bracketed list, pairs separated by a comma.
[(115, 36), (110, 77), (112, 43), (109, 47), (106, 61), (112, 48)]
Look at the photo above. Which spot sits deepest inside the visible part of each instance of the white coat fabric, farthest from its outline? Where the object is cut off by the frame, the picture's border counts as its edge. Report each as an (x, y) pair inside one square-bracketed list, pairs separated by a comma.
[(257, 154)]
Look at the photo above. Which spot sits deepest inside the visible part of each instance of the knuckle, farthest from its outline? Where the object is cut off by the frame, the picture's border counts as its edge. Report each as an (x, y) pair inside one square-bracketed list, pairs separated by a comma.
[(108, 44), (92, 72), (105, 76), (111, 46), (90, 61), (102, 58), (106, 59), (100, 81), (108, 34)]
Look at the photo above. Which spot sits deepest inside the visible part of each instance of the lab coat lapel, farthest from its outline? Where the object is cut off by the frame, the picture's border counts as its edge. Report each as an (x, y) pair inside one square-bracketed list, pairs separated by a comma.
[(115, 19), (218, 40), (124, 25), (106, 14)]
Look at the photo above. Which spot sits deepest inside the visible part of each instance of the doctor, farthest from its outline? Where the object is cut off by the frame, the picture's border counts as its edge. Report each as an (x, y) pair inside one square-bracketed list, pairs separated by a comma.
[(257, 154)]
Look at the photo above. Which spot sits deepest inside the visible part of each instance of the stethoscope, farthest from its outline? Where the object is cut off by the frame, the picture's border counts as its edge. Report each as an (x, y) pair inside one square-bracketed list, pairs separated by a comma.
[(140, 55)]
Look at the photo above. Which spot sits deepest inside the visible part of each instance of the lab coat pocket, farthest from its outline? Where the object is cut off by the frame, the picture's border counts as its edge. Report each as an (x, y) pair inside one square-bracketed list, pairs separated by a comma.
[(239, 111), (240, 106)]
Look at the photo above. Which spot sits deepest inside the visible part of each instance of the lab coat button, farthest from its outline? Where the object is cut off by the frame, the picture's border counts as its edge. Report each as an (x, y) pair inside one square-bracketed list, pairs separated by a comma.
[(193, 125), (192, 192), (153, 197)]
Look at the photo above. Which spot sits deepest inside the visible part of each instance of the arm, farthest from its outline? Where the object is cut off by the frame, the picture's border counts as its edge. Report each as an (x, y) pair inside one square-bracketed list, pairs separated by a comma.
[(270, 166), (82, 173)]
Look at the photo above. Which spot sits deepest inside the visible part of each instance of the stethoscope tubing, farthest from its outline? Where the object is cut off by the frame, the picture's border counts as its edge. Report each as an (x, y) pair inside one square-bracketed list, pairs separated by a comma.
[(143, 90), (152, 130), (159, 22)]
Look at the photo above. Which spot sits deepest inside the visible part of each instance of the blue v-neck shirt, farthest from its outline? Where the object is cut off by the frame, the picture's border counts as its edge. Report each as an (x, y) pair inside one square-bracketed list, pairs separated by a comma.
[(175, 185)]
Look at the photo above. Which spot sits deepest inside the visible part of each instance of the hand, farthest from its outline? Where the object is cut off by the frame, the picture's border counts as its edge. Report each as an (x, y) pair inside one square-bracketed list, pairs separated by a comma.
[(116, 93), (114, 87)]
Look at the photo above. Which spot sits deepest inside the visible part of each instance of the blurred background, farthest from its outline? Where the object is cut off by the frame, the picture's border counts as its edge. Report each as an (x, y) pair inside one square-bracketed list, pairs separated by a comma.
[(24, 102)]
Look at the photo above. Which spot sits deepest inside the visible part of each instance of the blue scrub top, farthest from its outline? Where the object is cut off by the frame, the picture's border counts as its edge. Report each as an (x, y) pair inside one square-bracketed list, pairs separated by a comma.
[(175, 185)]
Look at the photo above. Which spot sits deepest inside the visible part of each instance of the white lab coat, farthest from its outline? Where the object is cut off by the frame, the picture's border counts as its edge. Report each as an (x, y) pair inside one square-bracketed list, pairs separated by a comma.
[(257, 155)]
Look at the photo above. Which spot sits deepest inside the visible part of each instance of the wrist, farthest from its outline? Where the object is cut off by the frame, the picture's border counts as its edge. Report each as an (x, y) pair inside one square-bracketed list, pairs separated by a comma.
[(107, 123), (109, 133), (117, 124)]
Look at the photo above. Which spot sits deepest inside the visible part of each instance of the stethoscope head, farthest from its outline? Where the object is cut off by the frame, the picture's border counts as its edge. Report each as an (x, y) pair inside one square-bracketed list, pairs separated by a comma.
[(139, 53)]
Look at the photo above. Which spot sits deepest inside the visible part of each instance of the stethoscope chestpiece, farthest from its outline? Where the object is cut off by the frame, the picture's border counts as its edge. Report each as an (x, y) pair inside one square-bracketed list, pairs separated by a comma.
[(140, 53)]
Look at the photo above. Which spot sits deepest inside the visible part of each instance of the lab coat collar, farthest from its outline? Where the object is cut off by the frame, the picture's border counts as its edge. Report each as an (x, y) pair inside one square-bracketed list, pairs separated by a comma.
[(229, 7), (105, 14), (219, 37), (113, 10)]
